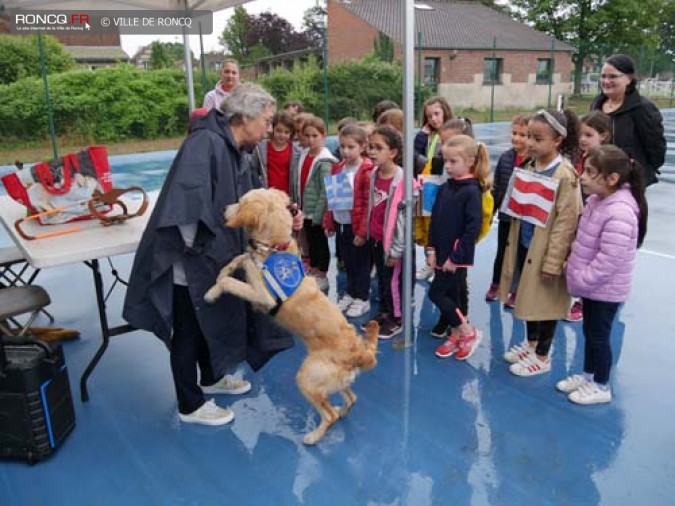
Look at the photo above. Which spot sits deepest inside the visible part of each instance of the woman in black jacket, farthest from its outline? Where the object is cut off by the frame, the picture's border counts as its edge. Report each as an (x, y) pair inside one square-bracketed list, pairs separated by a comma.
[(637, 124)]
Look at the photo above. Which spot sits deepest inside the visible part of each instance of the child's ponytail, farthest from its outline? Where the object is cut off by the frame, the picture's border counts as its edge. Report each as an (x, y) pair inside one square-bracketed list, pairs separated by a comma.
[(481, 168), (637, 188), (570, 144)]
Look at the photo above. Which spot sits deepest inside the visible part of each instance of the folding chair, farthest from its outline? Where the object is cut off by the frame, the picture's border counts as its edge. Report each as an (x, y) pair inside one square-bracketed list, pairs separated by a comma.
[(19, 300), (14, 271)]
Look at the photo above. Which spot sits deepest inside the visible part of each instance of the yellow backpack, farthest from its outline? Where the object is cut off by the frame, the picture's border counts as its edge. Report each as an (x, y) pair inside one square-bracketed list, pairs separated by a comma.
[(488, 205)]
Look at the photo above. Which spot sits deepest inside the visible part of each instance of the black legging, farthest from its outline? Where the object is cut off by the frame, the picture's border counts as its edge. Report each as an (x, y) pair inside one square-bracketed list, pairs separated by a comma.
[(319, 254)]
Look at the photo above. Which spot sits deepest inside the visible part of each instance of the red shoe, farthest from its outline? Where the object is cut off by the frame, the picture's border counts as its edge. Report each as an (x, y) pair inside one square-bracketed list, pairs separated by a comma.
[(468, 344), (576, 313), (448, 348), (492, 293), (511, 301)]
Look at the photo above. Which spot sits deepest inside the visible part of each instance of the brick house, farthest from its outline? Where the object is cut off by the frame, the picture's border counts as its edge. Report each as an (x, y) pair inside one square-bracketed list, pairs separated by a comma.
[(465, 48), (88, 50)]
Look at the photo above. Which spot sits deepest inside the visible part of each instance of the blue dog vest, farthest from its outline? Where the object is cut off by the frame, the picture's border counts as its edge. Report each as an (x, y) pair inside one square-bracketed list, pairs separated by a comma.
[(283, 273)]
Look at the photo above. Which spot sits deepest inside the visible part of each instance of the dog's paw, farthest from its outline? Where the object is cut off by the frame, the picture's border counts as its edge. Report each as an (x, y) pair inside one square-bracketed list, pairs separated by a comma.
[(344, 410), (212, 294), (313, 437)]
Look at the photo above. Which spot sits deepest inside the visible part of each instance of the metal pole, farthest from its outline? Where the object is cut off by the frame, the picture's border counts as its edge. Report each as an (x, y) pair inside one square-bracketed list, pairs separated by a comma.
[(188, 70), (672, 81), (324, 56), (48, 100), (419, 77), (550, 74), (409, 136), (493, 76), (202, 59), (325, 73)]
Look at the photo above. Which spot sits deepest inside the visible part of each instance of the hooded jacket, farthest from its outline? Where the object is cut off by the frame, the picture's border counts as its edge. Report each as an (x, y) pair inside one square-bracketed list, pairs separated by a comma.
[(637, 128), (208, 173), (602, 261)]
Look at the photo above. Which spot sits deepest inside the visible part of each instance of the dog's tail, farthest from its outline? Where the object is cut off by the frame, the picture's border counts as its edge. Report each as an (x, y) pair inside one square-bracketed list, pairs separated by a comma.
[(368, 358)]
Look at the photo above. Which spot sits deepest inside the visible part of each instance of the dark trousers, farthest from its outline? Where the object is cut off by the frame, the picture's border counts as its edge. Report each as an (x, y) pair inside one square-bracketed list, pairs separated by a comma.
[(448, 291), (188, 349), (540, 331), (319, 254), (598, 318), (502, 236), (356, 260), (384, 275)]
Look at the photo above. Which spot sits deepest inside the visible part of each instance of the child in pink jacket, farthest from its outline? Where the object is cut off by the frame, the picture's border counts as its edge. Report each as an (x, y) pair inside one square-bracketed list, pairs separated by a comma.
[(600, 267)]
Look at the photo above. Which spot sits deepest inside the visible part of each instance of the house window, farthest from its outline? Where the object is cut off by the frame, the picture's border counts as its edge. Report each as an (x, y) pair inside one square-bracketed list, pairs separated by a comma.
[(431, 66), (544, 71), (492, 70)]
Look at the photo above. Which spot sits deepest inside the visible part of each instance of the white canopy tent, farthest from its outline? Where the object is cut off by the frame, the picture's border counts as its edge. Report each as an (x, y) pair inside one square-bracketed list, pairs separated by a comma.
[(216, 5)]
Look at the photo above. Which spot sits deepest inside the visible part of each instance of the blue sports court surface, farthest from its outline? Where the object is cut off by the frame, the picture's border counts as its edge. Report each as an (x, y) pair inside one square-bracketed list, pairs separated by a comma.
[(424, 431)]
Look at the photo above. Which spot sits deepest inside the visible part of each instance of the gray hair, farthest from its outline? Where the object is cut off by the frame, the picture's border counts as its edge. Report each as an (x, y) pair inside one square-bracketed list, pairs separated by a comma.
[(247, 100)]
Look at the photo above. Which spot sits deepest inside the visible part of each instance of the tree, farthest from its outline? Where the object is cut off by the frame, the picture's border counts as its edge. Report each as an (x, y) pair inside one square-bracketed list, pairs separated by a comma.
[(20, 57), (596, 28), (161, 57), (234, 36), (274, 33), (248, 38), (384, 48), (314, 23)]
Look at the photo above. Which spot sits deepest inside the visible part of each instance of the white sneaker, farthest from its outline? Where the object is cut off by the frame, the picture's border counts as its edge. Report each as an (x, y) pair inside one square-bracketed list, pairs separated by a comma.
[(345, 302), (517, 352), (590, 393), (425, 272), (571, 383), (530, 366), (358, 308), (228, 385), (208, 414)]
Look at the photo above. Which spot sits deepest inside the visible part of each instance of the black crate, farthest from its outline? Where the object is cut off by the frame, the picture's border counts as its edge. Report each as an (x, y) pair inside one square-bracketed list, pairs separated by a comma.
[(36, 406)]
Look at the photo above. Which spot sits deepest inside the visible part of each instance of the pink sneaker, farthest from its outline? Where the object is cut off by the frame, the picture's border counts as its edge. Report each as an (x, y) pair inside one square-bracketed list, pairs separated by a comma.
[(492, 293), (448, 348), (576, 313), (468, 344), (511, 301)]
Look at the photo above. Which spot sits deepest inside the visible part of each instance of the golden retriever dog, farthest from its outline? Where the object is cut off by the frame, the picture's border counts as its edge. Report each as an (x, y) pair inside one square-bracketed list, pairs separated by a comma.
[(336, 353)]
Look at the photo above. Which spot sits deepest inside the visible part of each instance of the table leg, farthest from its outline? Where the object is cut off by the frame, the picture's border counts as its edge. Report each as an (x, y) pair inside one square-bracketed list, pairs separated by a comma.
[(106, 331)]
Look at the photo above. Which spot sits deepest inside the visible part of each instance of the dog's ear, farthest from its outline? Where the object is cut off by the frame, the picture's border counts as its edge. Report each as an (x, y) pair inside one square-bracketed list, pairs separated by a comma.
[(247, 214), (230, 213)]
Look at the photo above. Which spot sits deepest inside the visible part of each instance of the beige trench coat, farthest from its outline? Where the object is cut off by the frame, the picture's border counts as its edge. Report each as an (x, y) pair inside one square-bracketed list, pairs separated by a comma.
[(539, 300)]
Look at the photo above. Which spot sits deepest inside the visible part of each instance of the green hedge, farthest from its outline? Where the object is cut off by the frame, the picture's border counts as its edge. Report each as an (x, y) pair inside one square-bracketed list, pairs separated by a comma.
[(121, 103), (107, 105)]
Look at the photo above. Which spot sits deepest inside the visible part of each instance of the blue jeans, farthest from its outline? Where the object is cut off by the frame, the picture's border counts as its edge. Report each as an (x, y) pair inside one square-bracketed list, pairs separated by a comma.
[(598, 319)]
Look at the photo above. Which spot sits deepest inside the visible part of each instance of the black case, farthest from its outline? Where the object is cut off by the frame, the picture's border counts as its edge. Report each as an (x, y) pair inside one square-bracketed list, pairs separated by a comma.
[(36, 407)]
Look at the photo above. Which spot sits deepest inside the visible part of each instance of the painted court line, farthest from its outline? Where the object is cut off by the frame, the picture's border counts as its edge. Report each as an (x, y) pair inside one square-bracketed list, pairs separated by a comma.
[(657, 254)]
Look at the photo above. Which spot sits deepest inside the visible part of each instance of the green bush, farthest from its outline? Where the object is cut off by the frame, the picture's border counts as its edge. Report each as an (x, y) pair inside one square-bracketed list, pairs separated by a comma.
[(107, 105), (122, 102), (19, 57), (353, 87)]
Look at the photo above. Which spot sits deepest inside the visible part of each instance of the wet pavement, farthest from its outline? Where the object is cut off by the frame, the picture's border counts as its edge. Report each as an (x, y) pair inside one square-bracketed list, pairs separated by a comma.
[(424, 431)]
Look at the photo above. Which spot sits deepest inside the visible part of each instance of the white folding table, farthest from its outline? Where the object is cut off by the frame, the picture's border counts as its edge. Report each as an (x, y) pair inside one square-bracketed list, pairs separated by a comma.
[(90, 243)]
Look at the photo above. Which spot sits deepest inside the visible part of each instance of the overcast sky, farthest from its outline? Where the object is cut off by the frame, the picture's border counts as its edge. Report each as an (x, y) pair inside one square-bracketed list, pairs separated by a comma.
[(291, 10)]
